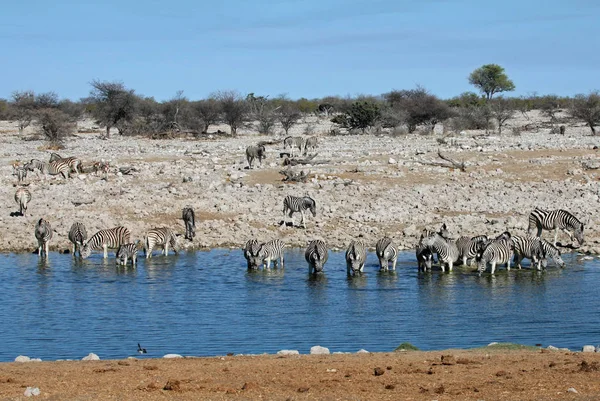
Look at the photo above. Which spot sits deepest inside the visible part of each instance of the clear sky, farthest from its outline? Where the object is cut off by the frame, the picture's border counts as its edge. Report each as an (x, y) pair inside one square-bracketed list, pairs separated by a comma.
[(303, 48)]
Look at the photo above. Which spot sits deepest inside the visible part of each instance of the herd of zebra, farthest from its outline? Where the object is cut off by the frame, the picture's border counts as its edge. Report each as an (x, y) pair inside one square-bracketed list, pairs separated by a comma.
[(258, 152)]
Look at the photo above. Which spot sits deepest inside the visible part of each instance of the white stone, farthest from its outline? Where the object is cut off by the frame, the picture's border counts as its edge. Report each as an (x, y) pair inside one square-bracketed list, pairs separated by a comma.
[(492, 343), (29, 391), (91, 357), (572, 390), (318, 350), (362, 351), (172, 356), (288, 352), (36, 360), (588, 348), (392, 161), (552, 348), (22, 358)]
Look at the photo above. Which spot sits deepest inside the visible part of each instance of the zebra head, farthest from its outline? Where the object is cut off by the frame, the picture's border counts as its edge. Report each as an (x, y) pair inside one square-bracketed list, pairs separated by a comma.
[(425, 259), (444, 231), (578, 233), (85, 251), (353, 258), (312, 205)]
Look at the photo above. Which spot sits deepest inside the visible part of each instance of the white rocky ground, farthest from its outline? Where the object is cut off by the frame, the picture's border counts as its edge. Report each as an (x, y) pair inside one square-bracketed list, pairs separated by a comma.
[(373, 185)]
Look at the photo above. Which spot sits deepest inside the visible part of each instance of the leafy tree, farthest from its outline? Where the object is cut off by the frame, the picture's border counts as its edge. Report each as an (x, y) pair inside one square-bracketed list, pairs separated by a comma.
[(363, 114), (114, 104), (306, 106), (420, 107), (491, 79), (234, 108), (587, 108), (207, 111), (466, 99)]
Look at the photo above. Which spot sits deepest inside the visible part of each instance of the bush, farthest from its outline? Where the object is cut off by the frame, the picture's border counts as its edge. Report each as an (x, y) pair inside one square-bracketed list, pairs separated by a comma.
[(54, 124), (587, 108)]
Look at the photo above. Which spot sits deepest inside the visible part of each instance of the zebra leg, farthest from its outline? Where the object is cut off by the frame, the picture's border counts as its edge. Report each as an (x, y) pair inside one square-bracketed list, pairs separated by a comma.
[(303, 222), (46, 246), (493, 267), (508, 264), (105, 247), (450, 265), (393, 264), (555, 236), (267, 263), (442, 266), (166, 248)]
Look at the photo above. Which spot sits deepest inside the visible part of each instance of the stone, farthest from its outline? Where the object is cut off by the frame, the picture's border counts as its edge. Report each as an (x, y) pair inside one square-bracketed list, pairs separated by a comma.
[(552, 348), (318, 350), (288, 352), (572, 390), (91, 357), (172, 356), (588, 348), (362, 351), (392, 161), (378, 371), (22, 358), (31, 391)]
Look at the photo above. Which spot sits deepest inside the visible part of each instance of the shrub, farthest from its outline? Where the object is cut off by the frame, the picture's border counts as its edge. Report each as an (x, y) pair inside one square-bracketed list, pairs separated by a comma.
[(54, 124)]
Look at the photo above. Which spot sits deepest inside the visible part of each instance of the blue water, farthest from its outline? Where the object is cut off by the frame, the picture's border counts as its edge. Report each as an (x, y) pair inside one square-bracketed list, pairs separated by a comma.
[(207, 303)]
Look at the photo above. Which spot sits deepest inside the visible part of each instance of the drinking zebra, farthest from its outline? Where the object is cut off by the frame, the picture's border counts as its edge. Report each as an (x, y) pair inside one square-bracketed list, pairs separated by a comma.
[(269, 251), (251, 253), (386, 252), (497, 251), (77, 236), (446, 249), (551, 252), (316, 256), (555, 219), (164, 237), (43, 234), (189, 218), (311, 142), (537, 250), (469, 247), (293, 142), (111, 238), (22, 197), (127, 252), (356, 255), (20, 172), (73, 162), (424, 258), (255, 152), (294, 204)]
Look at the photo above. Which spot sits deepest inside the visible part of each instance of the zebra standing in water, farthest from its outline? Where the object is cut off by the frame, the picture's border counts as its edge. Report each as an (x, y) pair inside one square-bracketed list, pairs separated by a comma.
[(311, 142), (73, 162), (77, 236), (160, 236), (356, 255), (469, 247), (555, 219), (445, 248), (189, 219), (293, 142), (255, 152), (316, 256), (111, 238), (552, 252), (386, 252), (43, 234), (425, 253), (497, 251), (267, 252), (536, 249), (22, 197), (128, 252), (294, 204), (251, 253)]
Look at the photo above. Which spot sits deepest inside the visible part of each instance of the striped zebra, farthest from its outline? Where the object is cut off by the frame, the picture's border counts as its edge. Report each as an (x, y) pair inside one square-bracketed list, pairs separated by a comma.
[(311, 142), (22, 197), (35, 164), (255, 152), (293, 142), (446, 249), (497, 251), (270, 251), (53, 168), (294, 204), (43, 234), (189, 218), (535, 249), (554, 220), (127, 252), (424, 258), (356, 255), (469, 247), (20, 172), (111, 238), (386, 252), (73, 162), (77, 236), (164, 237), (552, 252), (316, 256), (251, 253)]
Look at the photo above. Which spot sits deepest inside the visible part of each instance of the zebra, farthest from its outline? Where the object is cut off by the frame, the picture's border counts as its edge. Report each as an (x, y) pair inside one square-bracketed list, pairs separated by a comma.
[(316, 256), (251, 253), (35, 164), (189, 218), (267, 252), (311, 142), (255, 152), (22, 197), (20, 172), (73, 162), (53, 168), (160, 236), (294, 204), (356, 255), (386, 252), (126, 252), (497, 251), (109, 238), (293, 142), (468, 247), (446, 249), (43, 234), (550, 251), (527, 247), (555, 219), (424, 258), (77, 235)]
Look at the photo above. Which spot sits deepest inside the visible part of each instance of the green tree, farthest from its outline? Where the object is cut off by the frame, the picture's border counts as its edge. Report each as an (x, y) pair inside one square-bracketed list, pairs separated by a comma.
[(363, 114), (491, 79), (115, 105), (419, 107)]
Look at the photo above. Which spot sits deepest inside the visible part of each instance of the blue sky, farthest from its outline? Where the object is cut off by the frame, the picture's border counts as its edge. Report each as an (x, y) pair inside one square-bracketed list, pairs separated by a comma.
[(302, 48)]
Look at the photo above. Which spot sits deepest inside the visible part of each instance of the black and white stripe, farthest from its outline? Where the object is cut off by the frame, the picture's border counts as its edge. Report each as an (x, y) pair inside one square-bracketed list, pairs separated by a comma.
[(424, 257), (73, 162), (22, 197), (551, 252), (251, 253), (189, 218), (446, 249), (470, 247), (295, 204), (270, 251), (127, 252), (111, 238), (356, 255), (293, 142), (162, 236), (386, 252), (554, 220), (316, 256), (497, 251), (43, 234), (311, 142), (77, 236), (527, 247), (35, 164), (255, 152), (20, 172)]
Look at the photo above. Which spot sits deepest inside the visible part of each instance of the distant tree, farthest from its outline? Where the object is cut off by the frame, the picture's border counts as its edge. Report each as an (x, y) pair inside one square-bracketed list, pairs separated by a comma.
[(288, 115), (46, 100), (114, 104), (420, 107), (502, 110), (23, 108), (73, 109), (363, 115), (306, 106), (234, 108), (207, 111), (466, 99), (549, 106), (54, 124), (4, 109), (491, 79), (587, 108)]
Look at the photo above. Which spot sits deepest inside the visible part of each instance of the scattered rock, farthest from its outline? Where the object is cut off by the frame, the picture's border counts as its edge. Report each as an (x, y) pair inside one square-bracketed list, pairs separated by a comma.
[(318, 350), (362, 351), (288, 352), (31, 391), (172, 356), (303, 389), (552, 348), (172, 385), (91, 357), (448, 360), (572, 390), (331, 370), (22, 358), (250, 386), (588, 348), (378, 371)]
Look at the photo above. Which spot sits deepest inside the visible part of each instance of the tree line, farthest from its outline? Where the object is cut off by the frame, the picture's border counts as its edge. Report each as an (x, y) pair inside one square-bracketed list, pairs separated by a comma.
[(115, 106)]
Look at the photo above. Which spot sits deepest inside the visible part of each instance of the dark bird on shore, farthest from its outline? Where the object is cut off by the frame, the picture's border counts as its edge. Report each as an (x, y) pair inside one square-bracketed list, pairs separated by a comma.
[(141, 350)]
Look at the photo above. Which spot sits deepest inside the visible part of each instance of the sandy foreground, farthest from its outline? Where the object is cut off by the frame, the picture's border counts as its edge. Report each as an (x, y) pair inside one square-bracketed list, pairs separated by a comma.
[(437, 375)]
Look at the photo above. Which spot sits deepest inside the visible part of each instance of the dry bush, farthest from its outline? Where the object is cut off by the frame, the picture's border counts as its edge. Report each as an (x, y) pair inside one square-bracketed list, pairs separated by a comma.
[(54, 125)]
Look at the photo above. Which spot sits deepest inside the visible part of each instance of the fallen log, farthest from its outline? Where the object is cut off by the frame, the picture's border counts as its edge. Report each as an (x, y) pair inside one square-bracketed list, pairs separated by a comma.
[(308, 160), (447, 162), (291, 176)]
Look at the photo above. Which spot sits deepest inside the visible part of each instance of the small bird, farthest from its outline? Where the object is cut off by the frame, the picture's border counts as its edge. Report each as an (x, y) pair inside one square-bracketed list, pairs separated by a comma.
[(141, 350)]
